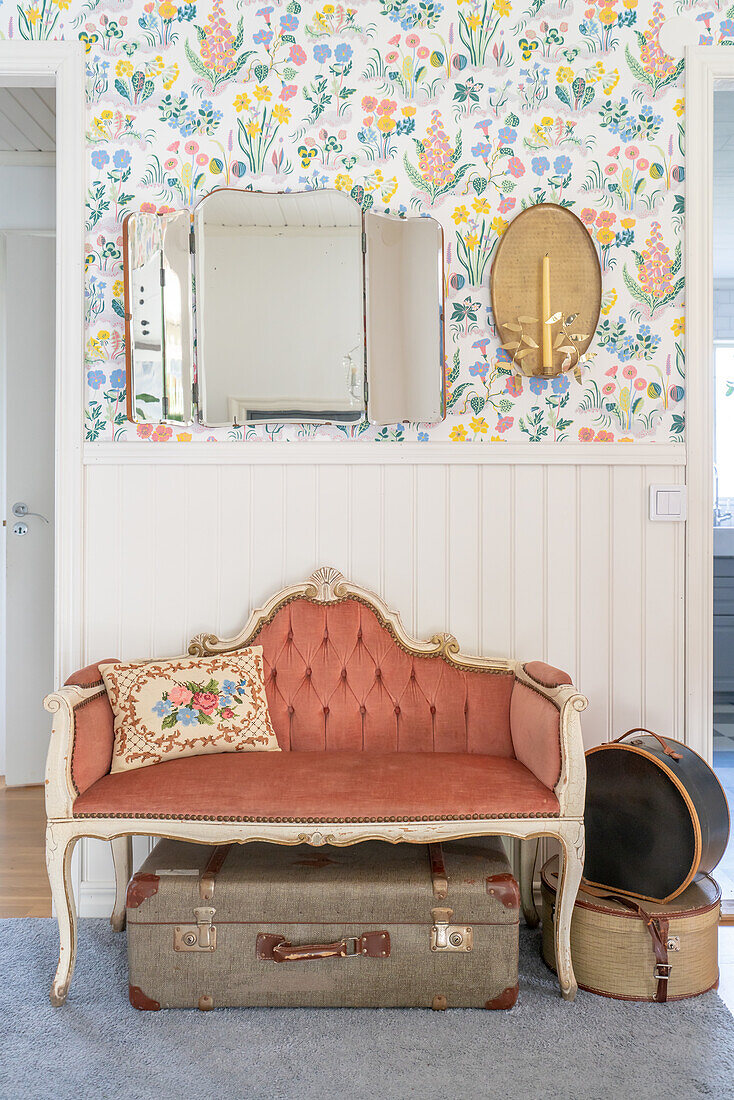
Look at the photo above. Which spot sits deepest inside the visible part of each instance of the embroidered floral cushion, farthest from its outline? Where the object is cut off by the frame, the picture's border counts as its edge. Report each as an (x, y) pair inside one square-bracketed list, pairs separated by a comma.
[(187, 707)]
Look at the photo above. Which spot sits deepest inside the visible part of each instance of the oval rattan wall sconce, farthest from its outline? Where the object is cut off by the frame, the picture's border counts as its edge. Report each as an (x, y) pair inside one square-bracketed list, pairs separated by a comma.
[(546, 291)]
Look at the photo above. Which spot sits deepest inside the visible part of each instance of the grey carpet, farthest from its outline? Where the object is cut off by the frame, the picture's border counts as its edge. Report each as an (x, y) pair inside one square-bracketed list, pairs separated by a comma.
[(98, 1046)]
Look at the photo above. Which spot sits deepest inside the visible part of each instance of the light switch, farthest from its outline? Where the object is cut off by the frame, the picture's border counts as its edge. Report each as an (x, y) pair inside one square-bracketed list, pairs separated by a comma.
[(668, 502)]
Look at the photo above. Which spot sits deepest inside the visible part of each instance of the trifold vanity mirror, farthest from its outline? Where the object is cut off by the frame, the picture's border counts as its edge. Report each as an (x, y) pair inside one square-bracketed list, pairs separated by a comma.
[(306, 310)]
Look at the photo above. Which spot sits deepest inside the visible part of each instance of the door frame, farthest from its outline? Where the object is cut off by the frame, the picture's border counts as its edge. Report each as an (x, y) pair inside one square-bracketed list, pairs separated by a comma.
[(704, 66), (61, 65)]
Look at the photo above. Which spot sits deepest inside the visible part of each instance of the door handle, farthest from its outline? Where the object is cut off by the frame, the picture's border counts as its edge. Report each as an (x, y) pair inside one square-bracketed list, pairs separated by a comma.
[(20, 510)]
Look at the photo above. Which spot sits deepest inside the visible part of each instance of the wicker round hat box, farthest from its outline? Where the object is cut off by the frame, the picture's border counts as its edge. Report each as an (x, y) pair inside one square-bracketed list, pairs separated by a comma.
[(639, 951)]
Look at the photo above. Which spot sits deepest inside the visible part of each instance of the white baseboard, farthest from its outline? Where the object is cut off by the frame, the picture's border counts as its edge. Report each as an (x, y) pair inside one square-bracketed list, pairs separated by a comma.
[(96, 900)]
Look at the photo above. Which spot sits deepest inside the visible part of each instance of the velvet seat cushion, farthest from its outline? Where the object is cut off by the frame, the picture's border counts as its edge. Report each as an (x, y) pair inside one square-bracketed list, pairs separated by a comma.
[(323, 786)]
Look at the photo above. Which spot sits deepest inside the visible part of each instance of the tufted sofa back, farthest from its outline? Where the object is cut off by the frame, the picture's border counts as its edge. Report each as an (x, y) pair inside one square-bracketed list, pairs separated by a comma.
[(337, 679)]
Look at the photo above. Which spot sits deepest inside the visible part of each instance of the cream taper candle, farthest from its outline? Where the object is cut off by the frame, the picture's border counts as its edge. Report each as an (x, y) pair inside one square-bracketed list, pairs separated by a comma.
[(547, 359)]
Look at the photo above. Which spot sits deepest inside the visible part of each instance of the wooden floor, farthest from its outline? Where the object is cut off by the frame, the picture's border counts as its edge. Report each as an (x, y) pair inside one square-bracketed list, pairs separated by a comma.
[(24, 888)]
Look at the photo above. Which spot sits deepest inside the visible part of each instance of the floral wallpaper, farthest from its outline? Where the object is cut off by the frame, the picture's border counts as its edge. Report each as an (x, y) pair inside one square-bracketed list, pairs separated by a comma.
[(469, 110)]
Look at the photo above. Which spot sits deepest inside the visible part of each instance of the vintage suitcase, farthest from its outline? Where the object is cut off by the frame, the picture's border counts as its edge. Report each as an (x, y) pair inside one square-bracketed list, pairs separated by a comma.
[(639, 951), (371, 925), (655, 816)]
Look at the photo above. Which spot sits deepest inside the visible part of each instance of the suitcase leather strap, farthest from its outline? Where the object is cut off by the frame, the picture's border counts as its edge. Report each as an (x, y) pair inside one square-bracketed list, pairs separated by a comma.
[(372, 945), (213, 867), (657, 926), (439, 878)]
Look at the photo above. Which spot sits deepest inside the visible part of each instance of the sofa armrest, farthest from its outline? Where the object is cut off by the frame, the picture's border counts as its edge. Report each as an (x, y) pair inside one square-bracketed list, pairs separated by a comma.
[(82, 736), (546, 732)]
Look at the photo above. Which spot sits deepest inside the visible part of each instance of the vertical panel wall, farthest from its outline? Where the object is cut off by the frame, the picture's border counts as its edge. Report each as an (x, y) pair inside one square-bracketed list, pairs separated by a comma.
[(553, 558)]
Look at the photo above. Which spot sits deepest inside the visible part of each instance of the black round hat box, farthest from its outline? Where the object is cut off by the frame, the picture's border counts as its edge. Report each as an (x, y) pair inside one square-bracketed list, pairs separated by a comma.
[(655, 816)]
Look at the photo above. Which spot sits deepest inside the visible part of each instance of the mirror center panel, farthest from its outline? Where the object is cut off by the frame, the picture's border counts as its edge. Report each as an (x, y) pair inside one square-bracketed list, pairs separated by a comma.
[(279, 307)]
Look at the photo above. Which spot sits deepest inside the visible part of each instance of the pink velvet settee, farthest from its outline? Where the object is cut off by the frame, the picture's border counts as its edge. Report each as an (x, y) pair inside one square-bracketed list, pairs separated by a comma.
[(383, 737)]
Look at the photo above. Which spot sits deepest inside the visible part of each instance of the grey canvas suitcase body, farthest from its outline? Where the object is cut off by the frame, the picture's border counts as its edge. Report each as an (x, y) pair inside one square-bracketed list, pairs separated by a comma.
[(370, 925)]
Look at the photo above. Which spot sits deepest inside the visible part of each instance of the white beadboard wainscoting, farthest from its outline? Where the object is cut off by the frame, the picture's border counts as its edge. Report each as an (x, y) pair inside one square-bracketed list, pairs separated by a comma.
[(534, 552)]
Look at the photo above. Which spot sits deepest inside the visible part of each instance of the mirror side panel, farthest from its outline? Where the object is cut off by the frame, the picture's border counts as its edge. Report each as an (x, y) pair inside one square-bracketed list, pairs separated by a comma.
[(404, 289), (143, 318), (178, 316)]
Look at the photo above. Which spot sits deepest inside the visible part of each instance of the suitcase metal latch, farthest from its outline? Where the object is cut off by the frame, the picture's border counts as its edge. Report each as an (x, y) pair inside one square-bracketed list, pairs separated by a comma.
[(449, 937), (201, 936)]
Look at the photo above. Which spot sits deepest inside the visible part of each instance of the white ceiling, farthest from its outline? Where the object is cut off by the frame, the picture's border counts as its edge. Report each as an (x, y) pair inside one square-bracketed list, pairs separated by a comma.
[(27, 125), (724, 183)]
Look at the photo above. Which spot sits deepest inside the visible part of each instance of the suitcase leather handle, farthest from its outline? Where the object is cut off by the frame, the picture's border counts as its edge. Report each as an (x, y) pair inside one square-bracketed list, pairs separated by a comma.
[(663, 744), (372, 945)]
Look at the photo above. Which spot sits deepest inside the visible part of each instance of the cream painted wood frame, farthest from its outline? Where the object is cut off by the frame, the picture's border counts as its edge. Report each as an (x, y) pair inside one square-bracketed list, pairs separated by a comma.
[(325, 586), (61, 65), (704, 66)]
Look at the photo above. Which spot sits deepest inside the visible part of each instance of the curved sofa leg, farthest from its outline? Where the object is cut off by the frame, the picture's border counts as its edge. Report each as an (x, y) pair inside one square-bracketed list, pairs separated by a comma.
[(528, 856), (122, 858), (572, 866), (59, 847)]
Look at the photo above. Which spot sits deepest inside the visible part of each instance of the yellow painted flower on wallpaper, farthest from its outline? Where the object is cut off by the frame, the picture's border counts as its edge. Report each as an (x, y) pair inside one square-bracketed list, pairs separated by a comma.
[(608, 301), (458, 434), (611, 81)]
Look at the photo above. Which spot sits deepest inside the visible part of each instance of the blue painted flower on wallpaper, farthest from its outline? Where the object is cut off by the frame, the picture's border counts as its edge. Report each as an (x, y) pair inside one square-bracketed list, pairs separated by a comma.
[(187, 117), (538, 385), (118, 379), (627, 123), (411, 15), (95, 379)]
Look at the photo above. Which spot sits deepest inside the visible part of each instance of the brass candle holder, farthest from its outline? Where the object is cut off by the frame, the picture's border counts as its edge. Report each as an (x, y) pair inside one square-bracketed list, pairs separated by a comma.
[(546, 257), (566, 344)]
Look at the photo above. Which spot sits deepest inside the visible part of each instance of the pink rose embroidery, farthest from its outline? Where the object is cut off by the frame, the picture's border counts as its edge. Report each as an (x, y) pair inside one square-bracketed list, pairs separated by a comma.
[(205, 701), (227, 712), (180, 696)]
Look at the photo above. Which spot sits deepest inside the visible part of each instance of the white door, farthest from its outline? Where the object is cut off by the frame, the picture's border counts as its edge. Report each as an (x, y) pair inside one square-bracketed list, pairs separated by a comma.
[(28, 320)]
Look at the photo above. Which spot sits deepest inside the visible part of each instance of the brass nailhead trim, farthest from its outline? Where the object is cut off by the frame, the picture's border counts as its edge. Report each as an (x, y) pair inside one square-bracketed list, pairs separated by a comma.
[(319, 820)]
